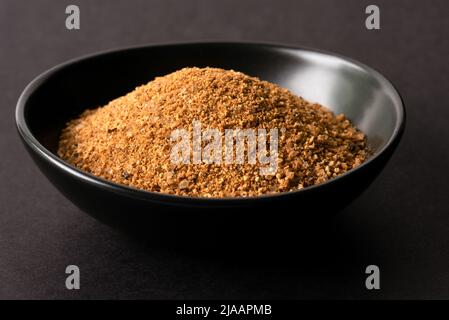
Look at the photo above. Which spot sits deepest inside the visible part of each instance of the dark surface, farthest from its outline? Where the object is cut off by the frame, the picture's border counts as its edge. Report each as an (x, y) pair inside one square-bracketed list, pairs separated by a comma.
[(400, 223)]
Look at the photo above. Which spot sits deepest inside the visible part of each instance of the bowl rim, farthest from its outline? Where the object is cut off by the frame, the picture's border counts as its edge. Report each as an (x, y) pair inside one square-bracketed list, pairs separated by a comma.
[(53, 159)]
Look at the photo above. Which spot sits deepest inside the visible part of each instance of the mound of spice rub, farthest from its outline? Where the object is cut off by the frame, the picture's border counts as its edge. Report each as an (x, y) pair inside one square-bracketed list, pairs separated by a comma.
[(286, 143)]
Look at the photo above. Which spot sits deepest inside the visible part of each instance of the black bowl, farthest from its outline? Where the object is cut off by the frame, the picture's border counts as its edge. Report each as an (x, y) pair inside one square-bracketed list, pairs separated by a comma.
[(339, 83)]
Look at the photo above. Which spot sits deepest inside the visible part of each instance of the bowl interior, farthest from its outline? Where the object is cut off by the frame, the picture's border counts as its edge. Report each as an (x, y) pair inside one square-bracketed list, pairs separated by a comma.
[(343, 86)]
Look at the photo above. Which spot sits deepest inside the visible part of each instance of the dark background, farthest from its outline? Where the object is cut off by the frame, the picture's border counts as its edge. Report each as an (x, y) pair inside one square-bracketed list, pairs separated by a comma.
[(401, 223)]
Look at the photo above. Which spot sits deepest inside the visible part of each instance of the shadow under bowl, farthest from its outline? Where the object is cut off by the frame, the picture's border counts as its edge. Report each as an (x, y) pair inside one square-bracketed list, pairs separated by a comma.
[(343, 85)]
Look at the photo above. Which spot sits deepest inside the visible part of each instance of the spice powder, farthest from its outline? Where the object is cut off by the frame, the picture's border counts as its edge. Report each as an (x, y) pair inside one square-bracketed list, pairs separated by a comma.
[(128, 140)]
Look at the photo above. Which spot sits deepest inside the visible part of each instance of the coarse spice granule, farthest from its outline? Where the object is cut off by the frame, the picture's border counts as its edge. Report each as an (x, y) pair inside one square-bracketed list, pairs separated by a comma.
[(128, 141)]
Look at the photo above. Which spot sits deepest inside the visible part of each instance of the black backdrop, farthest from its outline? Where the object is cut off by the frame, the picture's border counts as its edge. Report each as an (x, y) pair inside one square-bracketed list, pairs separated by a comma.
[(400, 223)]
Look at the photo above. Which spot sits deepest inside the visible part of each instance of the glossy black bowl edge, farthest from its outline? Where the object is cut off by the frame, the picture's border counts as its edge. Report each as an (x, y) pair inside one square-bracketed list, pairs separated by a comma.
[(21, 122)]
